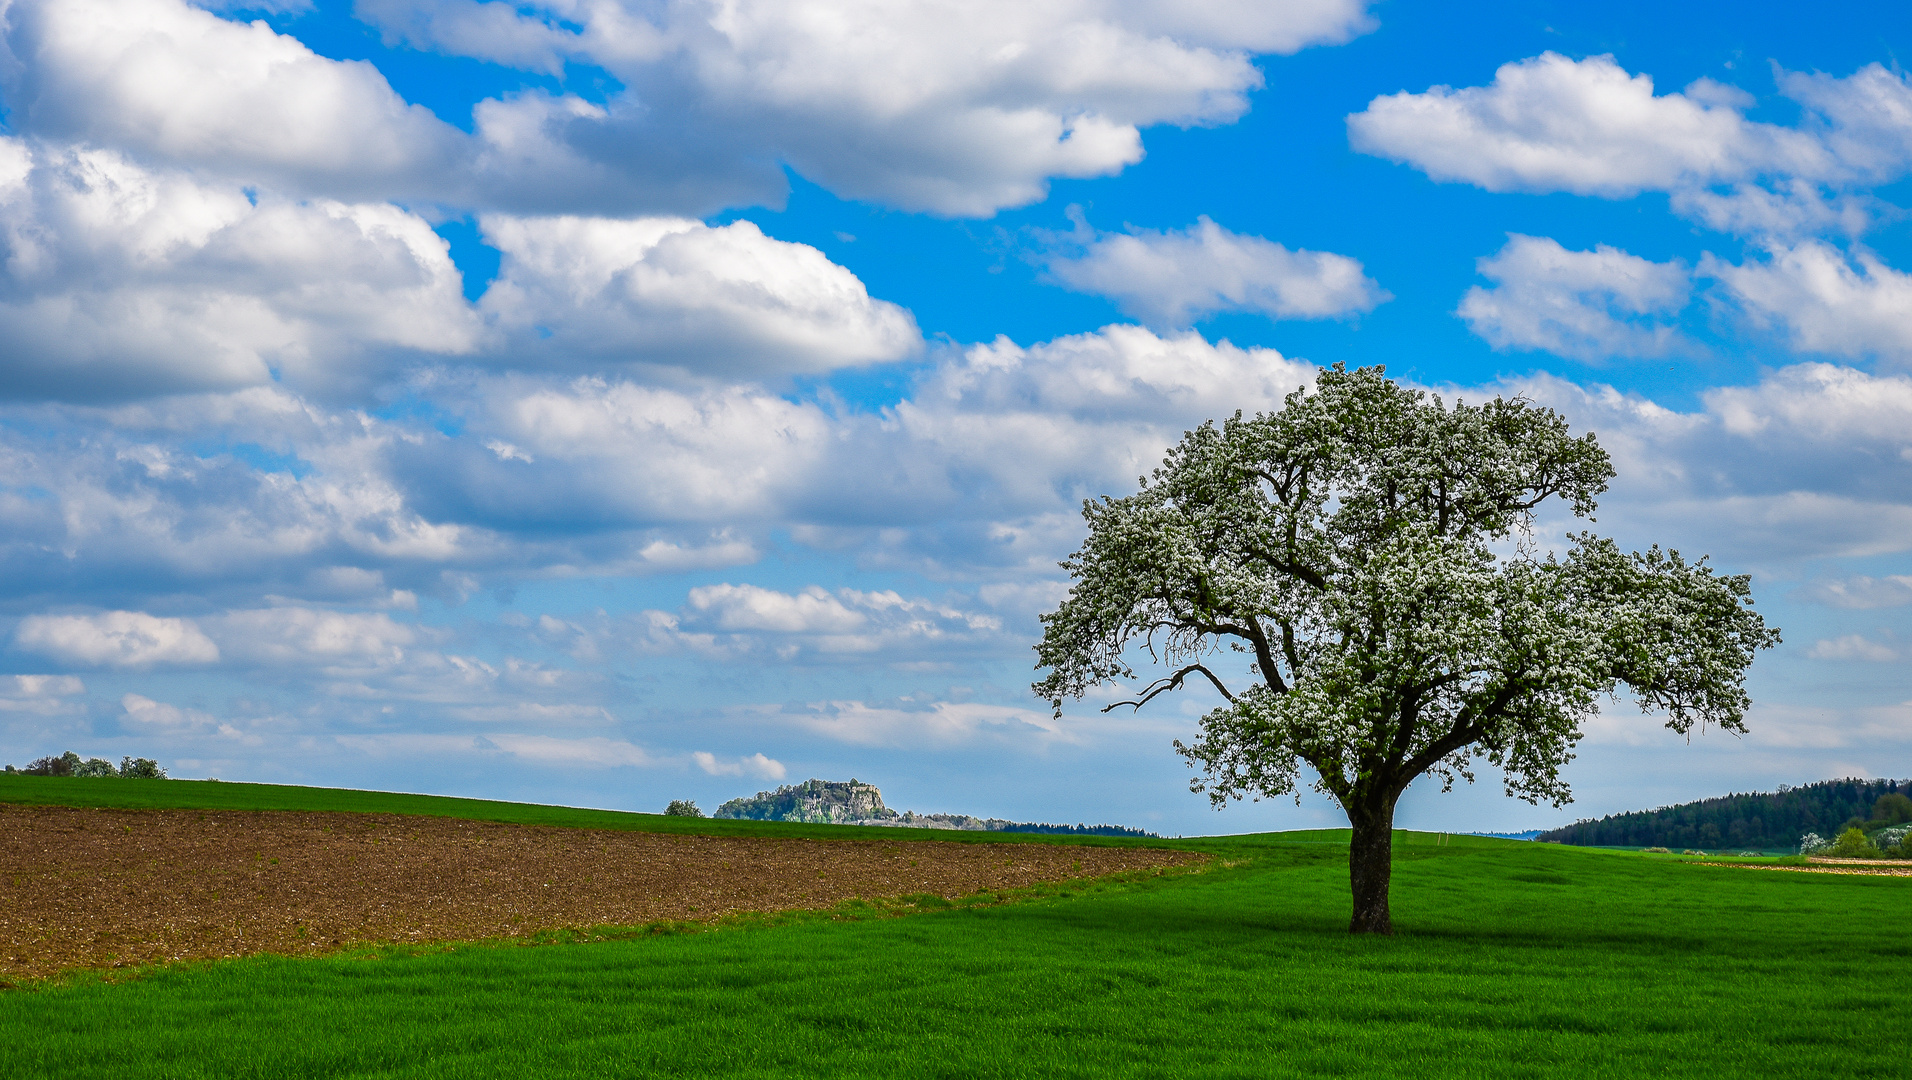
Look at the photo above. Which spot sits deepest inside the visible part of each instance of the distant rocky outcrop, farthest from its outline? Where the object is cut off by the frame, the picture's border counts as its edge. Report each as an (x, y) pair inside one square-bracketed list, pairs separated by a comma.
[(819, 802), (852, 802)]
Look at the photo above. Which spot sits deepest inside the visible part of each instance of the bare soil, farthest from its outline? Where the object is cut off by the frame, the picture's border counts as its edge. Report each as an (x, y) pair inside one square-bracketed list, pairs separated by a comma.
[(107, 888)]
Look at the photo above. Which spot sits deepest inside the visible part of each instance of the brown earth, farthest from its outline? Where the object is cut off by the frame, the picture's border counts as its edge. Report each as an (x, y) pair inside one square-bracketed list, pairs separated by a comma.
[(106, 888)]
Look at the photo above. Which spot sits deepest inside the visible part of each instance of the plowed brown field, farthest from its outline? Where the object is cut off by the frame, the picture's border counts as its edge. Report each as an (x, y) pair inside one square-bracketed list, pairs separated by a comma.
[(115, 887)]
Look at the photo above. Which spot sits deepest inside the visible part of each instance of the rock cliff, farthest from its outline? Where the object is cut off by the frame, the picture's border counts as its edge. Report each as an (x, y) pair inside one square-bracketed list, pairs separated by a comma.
[(829, 802)]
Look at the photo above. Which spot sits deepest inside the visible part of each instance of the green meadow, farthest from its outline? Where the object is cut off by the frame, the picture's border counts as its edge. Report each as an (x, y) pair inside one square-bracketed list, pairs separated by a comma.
[(1511, 960)]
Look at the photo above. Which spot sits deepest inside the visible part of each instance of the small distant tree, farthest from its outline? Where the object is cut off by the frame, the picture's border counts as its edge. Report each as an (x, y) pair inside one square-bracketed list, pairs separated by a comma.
[(52, 766), (682, 808), (133, 768), (97, 767), (1368, 552)]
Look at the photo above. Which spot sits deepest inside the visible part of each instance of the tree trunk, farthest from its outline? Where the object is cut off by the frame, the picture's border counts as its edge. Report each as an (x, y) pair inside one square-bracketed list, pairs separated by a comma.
[(1370, 861)]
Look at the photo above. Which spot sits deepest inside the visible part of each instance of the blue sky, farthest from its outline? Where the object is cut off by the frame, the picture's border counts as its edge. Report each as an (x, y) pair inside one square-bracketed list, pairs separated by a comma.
[(605, 402)]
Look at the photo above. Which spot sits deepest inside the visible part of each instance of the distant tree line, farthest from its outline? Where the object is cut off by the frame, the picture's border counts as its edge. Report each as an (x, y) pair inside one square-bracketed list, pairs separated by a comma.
[(1768, 820), (1074, 830), (69, 764)]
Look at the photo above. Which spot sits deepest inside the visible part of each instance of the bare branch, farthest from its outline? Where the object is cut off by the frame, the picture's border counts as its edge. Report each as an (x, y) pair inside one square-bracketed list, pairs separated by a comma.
[(1172, 682)]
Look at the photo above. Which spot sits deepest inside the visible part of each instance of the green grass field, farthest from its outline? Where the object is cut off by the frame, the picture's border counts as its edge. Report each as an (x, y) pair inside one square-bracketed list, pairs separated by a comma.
[(1512, 960)]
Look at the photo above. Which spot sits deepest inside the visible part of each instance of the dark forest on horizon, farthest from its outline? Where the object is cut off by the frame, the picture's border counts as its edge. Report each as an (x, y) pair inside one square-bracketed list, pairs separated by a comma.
[(1764, 820)]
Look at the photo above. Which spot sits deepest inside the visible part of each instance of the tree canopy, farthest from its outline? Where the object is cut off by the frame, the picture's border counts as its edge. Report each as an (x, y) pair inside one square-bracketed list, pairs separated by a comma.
[(1357, 575)]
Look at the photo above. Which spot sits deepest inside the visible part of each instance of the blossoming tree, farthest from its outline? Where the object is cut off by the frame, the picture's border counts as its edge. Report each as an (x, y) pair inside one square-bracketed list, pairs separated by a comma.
[(1356, 575)]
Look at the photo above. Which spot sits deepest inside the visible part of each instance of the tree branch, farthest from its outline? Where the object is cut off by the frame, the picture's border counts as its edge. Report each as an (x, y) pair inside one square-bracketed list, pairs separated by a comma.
[(1465, 730), (1265, 658), (1172, 682), (1294, 569)]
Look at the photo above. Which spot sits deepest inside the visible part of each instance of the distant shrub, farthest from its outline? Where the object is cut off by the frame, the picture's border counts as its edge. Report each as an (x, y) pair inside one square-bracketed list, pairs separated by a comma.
[(1657, 850), (139, 768), (1853, 844), (682, 808), (95, 767), (1812, 843)]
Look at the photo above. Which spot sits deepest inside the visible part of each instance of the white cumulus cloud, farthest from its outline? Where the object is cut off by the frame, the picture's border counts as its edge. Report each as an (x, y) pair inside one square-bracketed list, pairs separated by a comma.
[(924, 106), (730, 454), (729, 619), (932, 725), (121, 281), (1551, 123), (160, 718), (1812, 462), (726, 300), (1852, 647), (20, 687), (748, 607), (1825, 301), (173, 83), (953, 109), (1175, 278), (756, 765), (1861, 591), (1588, 305), (40, 695), (997, 442), (291, 635), (1867, 117), (120, 639), (1829, 405), (595, 751)]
